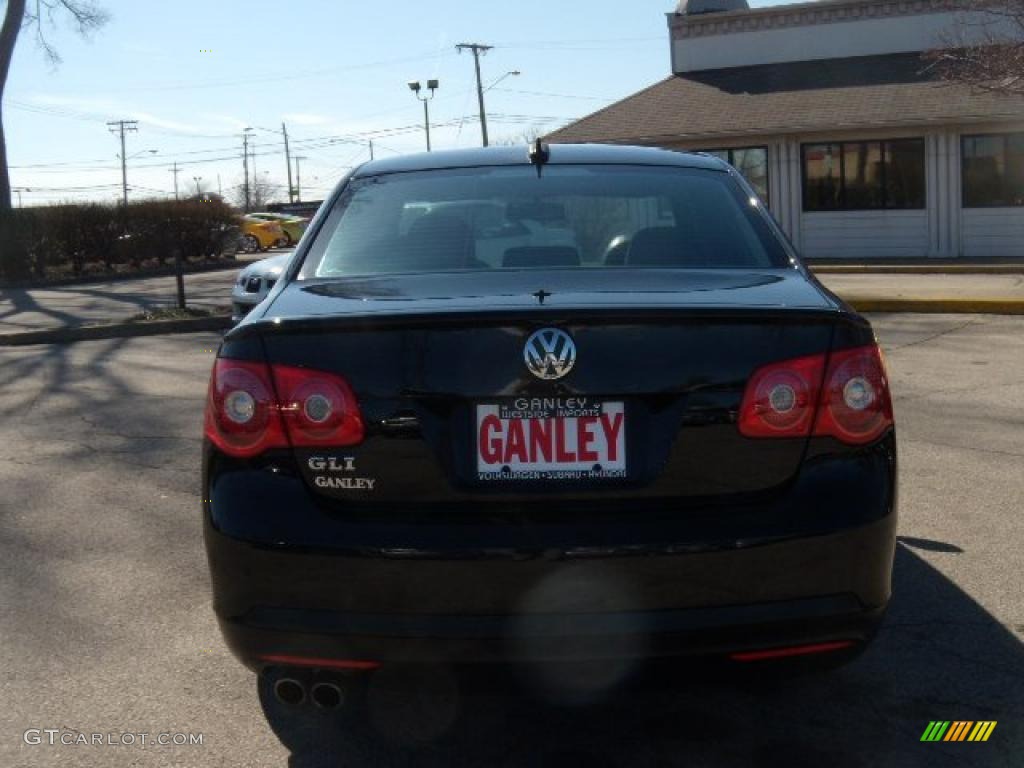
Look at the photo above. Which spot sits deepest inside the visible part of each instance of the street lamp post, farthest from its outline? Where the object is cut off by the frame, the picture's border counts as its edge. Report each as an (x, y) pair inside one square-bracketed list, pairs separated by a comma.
[(197, 179), (432, 86), (513, 73)]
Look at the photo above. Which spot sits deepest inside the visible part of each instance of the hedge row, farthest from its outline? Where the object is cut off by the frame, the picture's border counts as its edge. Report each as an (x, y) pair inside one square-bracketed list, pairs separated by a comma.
[(75, 240)]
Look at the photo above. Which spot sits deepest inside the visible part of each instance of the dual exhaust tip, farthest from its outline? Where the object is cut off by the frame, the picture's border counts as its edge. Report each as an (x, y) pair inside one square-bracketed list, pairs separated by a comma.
[(326, 694)]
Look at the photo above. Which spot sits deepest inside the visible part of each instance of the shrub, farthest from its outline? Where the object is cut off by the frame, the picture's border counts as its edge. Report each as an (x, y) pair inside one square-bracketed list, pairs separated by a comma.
[(59, 240)]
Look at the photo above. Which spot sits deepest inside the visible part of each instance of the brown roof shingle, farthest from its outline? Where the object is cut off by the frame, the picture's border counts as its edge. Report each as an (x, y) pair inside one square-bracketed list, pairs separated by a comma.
[(870, 91)]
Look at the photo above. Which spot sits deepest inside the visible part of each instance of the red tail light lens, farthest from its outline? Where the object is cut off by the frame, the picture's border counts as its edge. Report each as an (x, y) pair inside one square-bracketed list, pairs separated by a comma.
[(253, 407), (242, 417), (850, 401), (780, 399), (856, 406), (791, 651), (318, 408)]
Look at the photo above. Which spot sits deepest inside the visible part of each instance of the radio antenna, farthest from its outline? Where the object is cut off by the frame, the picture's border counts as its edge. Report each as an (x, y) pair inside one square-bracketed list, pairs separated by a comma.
[(539, 154)]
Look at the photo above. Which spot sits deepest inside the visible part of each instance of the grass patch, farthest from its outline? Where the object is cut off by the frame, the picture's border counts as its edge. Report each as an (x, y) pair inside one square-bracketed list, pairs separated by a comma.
[(174, 313)]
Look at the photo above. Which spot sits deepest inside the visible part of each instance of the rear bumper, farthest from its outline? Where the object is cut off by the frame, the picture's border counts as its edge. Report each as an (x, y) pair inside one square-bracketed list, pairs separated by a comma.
[(266, 635), (813, 590), (292, 578)]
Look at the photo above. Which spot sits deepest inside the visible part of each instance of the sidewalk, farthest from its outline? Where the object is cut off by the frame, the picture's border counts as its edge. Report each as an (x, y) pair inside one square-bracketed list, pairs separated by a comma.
[(69, 306), (947, 292), (41, 309)]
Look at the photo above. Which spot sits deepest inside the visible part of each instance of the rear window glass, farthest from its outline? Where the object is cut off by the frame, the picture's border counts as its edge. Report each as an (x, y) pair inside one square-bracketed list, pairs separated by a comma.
[(570, 217)]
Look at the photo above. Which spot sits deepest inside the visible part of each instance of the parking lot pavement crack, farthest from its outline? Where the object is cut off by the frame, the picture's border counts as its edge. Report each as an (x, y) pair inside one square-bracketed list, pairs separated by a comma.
[(104, 432), (21, 462), (931, 394), (939, 335), (972, 448)]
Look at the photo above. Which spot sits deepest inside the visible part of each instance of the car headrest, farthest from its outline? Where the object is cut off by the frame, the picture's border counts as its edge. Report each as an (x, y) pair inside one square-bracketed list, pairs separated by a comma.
[(441, 240), (658, 247), (541, 256)]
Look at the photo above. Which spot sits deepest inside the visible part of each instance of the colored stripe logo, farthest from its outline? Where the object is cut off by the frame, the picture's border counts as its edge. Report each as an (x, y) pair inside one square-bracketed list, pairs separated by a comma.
[(958, 730)]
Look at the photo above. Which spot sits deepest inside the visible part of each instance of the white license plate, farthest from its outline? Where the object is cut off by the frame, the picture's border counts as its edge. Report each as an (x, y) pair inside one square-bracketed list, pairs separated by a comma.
[(574, 438)]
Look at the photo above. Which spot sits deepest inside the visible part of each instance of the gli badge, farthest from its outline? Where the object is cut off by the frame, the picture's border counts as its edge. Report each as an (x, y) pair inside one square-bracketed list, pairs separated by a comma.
[(550, 353)]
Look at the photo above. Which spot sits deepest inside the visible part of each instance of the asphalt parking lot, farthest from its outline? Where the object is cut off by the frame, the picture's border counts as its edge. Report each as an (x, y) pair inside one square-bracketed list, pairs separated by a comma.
[(105, 624)]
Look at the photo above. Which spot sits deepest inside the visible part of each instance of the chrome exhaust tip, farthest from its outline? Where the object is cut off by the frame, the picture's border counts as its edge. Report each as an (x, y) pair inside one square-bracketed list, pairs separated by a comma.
[(289, 691), (327, 695)]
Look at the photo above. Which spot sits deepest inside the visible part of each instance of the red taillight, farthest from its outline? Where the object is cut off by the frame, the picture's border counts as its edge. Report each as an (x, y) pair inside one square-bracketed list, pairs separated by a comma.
[(780, 399), (855, 403), (317, 663), (318, 408), (253, 407), (788, 652), (242, 416), (850, 401)]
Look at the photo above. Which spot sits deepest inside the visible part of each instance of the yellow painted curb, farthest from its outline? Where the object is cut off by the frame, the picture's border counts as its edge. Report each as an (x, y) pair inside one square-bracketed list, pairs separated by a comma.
[(998, 306), (915, 269)]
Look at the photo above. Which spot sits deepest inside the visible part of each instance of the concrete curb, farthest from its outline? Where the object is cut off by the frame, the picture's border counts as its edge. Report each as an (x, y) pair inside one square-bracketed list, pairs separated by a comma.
[(116, 331), (121, 277), (945, 306), (915, 269)]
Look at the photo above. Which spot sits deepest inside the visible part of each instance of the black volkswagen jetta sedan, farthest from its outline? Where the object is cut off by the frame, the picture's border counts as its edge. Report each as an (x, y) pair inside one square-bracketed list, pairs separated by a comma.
[(546, 405)]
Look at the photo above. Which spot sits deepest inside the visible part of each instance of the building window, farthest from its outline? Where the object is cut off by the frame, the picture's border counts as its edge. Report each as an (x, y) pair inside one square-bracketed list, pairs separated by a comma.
[(864, 175), (752, 162), (993, 170)]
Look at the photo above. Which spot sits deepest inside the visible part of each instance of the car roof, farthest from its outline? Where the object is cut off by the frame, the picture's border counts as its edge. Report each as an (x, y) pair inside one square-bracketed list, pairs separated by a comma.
[(560, 154)]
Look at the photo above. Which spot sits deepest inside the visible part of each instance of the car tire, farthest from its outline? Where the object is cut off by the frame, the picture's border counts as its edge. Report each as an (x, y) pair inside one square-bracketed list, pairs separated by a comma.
[(250, 244)]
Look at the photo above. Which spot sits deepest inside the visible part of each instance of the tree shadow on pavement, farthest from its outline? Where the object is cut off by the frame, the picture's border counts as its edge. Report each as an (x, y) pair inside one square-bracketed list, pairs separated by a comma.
[(939, 656), (22, 303), (72, 415)]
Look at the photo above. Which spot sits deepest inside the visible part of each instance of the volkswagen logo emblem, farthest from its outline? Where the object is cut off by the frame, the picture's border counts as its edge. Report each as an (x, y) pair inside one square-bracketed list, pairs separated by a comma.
[(549, 353)]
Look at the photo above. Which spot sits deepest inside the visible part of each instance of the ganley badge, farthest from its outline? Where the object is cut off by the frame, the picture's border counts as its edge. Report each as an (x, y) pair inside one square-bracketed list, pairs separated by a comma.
[(549, 353)]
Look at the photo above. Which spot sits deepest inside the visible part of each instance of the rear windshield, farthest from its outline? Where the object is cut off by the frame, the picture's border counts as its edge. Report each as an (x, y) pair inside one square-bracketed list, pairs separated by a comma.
[(570, 217)]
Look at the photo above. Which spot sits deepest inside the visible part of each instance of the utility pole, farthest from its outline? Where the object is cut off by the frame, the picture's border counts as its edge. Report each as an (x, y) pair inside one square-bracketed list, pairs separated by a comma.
[(478, 49), (122, 127), (220, 189), (175, 170), (245, 165), (371, 149), (288, 163), (298, 178)]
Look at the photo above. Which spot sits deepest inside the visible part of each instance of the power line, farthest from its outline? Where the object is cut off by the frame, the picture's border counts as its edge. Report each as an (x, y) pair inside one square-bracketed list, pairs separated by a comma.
[(555, 95), (274, 78)]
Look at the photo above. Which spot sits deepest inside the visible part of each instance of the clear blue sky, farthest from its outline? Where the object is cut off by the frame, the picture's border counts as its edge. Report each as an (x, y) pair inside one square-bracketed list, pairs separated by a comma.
[(335, 71)]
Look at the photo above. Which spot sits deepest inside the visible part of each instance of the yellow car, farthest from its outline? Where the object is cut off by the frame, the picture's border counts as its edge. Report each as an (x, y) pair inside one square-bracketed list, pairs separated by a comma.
[(259, 235), (293, 226)]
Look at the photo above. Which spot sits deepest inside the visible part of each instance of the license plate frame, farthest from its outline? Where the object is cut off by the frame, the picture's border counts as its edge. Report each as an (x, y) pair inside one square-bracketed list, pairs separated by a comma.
[(553, 439)]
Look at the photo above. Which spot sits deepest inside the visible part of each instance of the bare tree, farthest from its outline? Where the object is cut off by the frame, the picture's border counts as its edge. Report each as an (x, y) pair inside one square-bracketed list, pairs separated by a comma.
[(262, 190), (40, 16), (524, 137), (985, 48)]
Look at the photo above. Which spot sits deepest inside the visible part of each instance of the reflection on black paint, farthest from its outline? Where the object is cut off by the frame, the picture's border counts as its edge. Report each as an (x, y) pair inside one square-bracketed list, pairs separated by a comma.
[(940, 655)]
